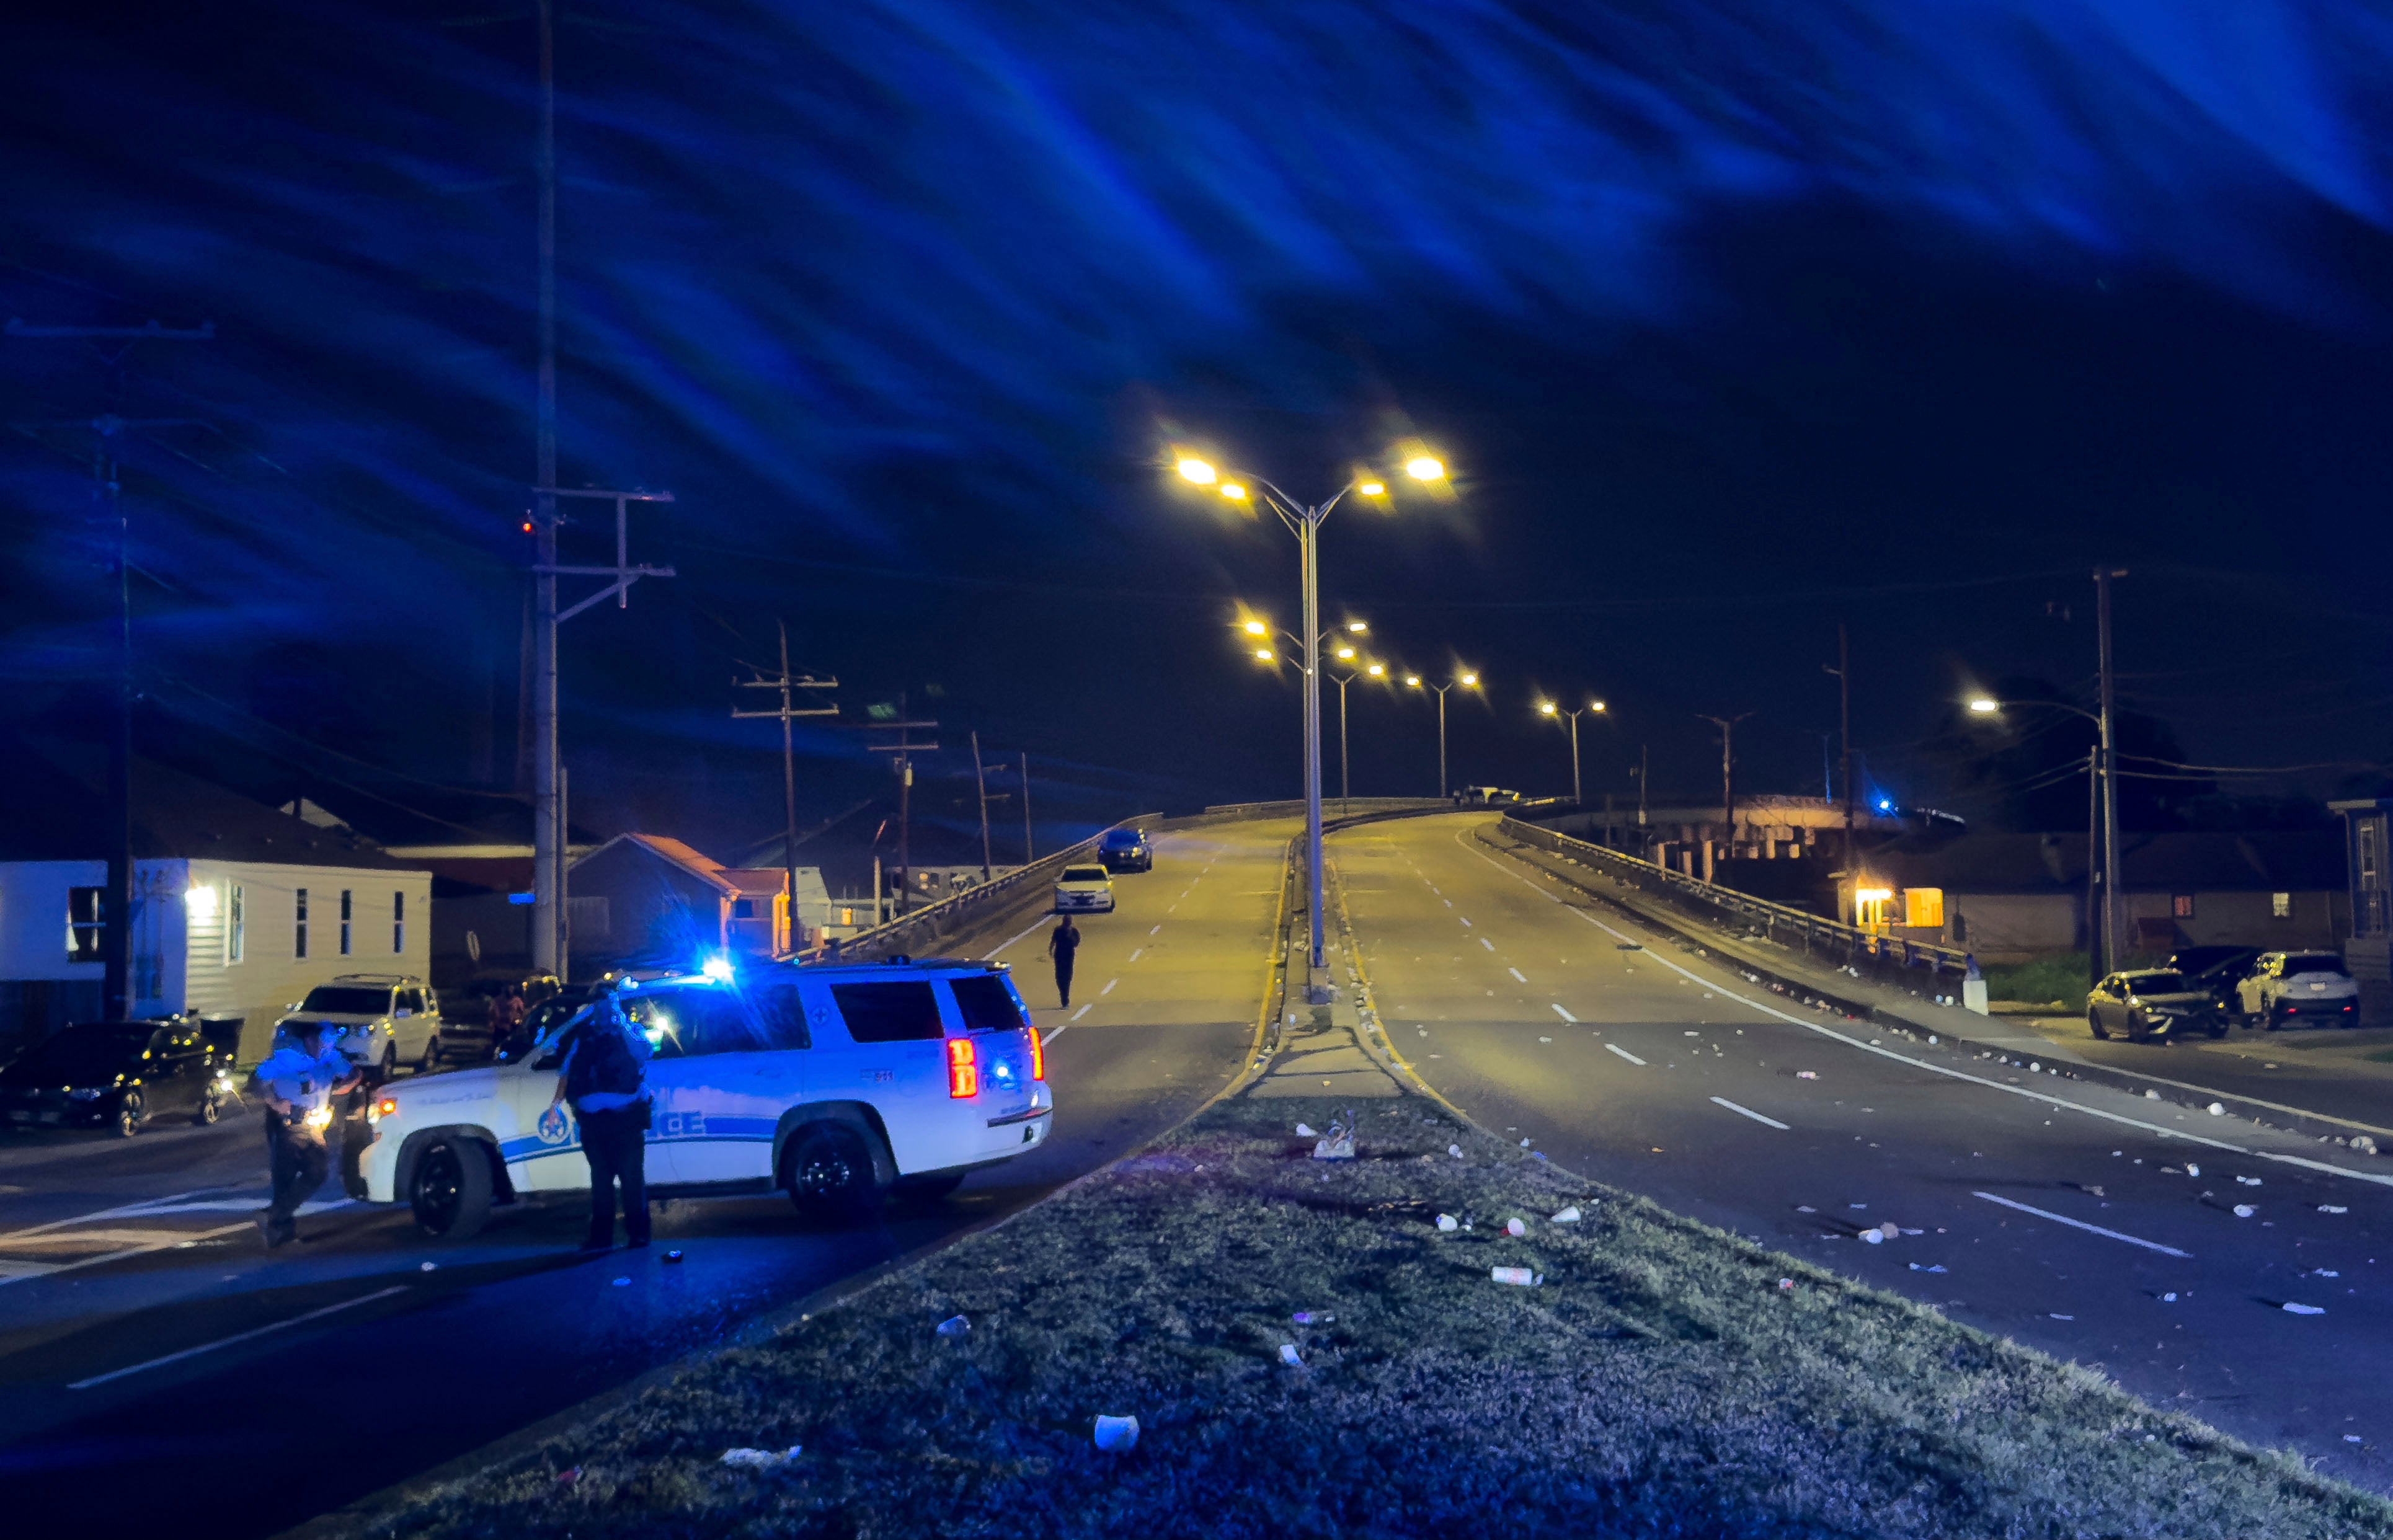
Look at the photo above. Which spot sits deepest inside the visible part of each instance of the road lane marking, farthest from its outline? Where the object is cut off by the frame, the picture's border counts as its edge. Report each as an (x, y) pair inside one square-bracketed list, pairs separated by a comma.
[(117, 1212), (1078, 1014), (1055, 1032), (1465, 919), (239, 1337), (1517, 973), (1134, 956), (1625, 1053), (1158, 931), (2081, 1224), (1724, 1102), (2047, 1098), (1565, 1015), (1485, 942), (992, 955), (174, 1238), (1109, 987)]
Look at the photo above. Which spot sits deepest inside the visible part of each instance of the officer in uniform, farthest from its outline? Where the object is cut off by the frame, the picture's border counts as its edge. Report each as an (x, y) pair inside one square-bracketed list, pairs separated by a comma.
[(301, 1077), (604, 1078)]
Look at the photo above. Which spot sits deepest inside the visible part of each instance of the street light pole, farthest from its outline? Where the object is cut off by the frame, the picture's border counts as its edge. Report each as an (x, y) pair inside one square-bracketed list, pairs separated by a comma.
[(2111, 873), (2101, 798)]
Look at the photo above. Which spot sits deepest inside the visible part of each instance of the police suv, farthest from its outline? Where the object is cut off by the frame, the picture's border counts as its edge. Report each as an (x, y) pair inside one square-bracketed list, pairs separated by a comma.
[(836, 1083)]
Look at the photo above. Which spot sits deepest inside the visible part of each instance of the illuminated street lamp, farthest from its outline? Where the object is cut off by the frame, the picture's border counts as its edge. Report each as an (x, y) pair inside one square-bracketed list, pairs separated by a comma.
[(1467, 680), (1374, 671), (1547, 708), (2103, 766), (1304, 521)]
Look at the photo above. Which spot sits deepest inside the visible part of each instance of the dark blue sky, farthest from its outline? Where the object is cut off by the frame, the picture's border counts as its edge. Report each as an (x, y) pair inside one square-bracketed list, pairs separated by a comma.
[(1735, 320)]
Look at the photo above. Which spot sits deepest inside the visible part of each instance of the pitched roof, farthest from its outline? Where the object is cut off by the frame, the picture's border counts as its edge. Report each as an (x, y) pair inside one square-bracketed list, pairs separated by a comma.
[(674, 853)]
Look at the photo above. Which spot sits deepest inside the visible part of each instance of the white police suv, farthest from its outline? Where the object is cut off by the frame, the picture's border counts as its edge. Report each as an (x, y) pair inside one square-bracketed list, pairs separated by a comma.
[(836, 1083)]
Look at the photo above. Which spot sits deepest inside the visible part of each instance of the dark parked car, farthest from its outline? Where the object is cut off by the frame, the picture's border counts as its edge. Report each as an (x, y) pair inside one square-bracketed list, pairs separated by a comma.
[(2215, 970), (2153, 1002), (542, 1019), (1126, 850), (117, 1075)]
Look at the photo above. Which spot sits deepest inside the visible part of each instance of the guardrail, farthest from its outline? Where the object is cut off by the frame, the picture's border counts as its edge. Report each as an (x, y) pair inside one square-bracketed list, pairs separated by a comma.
[(1848, 946), (1331, 807), (945, 918)]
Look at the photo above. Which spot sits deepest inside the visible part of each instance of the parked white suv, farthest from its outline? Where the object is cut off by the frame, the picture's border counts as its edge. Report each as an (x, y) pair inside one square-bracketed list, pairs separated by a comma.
[(834, 1082), (2298, 989), (379, 1020), (1085, 890)]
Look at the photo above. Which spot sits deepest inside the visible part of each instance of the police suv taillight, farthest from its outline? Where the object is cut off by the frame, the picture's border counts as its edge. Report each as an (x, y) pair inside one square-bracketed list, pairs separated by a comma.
[(963, 1068)]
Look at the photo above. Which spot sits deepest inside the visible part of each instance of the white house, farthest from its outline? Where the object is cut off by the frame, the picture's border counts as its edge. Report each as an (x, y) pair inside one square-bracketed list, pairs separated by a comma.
[(238, 910)]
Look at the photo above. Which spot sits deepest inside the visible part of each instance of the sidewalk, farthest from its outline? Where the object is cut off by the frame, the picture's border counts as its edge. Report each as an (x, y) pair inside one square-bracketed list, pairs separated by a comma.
[(2323, 1090)]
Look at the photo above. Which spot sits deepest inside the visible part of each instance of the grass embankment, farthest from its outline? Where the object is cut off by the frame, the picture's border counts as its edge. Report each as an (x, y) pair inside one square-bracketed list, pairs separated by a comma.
[(2057, 981), (1660, 1382)]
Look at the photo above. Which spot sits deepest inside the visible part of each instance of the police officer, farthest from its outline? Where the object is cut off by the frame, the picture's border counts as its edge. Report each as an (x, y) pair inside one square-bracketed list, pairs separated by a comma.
[(301, 1077), (603, 1079)]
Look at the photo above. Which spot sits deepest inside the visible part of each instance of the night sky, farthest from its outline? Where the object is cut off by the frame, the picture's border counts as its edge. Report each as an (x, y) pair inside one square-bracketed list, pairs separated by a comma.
[(1734, 320)]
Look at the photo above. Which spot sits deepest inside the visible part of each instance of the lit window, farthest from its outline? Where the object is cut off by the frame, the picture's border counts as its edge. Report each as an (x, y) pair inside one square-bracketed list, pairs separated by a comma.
[(235, 928), (85, 924), (299, 923), (2280, 905), (2181, 906), (397, 922), (345, 922)]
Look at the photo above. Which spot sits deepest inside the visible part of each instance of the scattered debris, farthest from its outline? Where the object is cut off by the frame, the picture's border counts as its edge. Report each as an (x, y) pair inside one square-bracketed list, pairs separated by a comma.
[(1917, 1267), (2332, 1209), (2324, 1273), (2191, 1169), (2169, 1298), (430, 1267), (2351, 1438), (1889, 1229), (1520, 1276), (1805, 1208), (1117, 1435), (568, 1476), (2216, 1109), (2363, 1143), (1524, 1143), (1290, 1356), (1455, 1150), (2058, 1316), (2292, 1309), (1807, 1074), (1515, 1229), (1312, 1317), (1787, 1285), (1544, 1039), (623, 1283), (1304, 1130), (1568, 1216), (1874, 1237), (2247, 1181), (954, 1325), (1448, 1222), (760, 1459), (672, 1256), (2244, 1211), (2151, 1096)]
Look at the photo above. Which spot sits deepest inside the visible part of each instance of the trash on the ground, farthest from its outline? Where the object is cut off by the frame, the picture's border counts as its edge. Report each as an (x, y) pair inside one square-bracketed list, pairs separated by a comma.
[(1448, 1222), (1917, 1267), (2292, 1309), (1520, 1276), (1568, 1216), (2191, 1169), (2151, 1096), (2363, 1143), (2247, 1181), (2169, 1298), (760, 1459), (1117, 1435), (1544, 1039), (1515, 1229), (672, 1256), (1874, 1237), (1787, 1285), (2351, 1438), (1310, 1317), (1304, 1130), (954, 1325), (2324, 1273), (2093, 1187), (430, 1267), (2058, 1316), (2244, 1211), (2216, 1109), (1889, 1229), (568, 1476), (1290, 1356), (623, 1283), (2332, 1209), (1524, 1143), (1807, 1074), (1805, 1208), (1455, 1150), (1857, 1206)]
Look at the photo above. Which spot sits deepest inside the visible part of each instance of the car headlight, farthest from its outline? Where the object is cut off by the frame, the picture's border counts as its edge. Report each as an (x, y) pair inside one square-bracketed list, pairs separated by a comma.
[(319, 1117)]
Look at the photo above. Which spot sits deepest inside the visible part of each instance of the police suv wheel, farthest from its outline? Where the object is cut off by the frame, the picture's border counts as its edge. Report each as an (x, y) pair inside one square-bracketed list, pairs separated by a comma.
[(390, 1063), (827, 1170), (211, 1108), (450, 1189)]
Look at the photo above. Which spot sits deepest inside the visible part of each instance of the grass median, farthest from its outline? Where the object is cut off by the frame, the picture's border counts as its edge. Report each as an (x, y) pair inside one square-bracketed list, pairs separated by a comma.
[(1666, 1379)]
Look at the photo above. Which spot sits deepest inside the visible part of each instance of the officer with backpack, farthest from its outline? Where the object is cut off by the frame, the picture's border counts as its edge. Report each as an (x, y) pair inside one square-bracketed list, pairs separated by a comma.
[(602, 1080)]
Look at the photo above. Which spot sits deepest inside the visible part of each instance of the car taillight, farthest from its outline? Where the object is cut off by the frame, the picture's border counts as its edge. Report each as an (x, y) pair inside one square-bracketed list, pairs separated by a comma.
[(963, 1068), (1038, 1056)]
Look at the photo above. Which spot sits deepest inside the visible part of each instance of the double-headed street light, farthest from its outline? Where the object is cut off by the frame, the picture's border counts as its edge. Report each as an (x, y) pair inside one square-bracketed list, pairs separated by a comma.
[(1304, 521), (1344, 653), (1465, 680), (1547, 708)]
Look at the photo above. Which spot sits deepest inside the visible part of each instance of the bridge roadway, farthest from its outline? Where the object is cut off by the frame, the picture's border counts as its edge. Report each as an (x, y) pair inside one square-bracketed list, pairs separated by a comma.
[(367, 1355), (2074, 1227)]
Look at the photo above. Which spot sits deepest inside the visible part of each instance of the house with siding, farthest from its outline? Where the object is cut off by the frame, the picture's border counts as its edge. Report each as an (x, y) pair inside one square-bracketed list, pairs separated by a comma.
[(645, 897), (238, 910)]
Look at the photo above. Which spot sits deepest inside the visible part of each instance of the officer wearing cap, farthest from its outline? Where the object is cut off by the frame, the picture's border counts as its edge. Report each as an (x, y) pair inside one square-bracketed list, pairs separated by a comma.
[(300, 1077)]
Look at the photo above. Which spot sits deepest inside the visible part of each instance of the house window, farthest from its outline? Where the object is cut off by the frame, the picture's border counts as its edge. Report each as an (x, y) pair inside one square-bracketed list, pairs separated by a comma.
[(85, 923), (236, 929), (299, 923), (345, 922), (397, 922), (2280, 905), (743, 908), (2181, 906)]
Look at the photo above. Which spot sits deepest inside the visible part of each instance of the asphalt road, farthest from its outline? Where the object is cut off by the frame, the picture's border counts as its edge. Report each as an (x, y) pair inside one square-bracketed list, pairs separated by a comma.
[(158, 1367), (2309, 1070), (2067, 1226)]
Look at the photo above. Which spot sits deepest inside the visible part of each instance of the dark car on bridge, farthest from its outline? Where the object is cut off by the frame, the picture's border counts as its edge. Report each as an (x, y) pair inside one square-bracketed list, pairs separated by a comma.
[(1126, 850), (2153, 1002), (118, 1075)]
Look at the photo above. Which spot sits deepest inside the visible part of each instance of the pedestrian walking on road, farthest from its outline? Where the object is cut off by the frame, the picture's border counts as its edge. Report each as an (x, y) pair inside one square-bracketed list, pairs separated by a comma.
[(1061, 945), (301, 1077), (603, 1080)]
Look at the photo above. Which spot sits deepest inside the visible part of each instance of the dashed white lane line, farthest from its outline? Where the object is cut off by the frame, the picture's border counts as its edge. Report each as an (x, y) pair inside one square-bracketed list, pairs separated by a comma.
[(1158, 931), (1485, 942), (236, 1336), (990, 955), (1134, 956), (1565, 1015), (1849, 1041), (1080, 1012), (1625, 1053), (1464, 918), (1109, 986), (2081, 1224), (1724, 1102), (1518, 975)]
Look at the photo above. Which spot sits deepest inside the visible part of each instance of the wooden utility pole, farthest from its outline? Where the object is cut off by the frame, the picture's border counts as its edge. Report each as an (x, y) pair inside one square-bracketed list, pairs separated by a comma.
[(1727, 725), (785, 682), (980, 780), (1027, 854)]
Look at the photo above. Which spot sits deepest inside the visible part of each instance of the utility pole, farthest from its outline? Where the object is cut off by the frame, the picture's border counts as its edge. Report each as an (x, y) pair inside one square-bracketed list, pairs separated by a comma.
[(1027, 854), (905, 748), (1727, 725), (1642, 766), (980, 782), (116, 994), (788, 710), (1843, 670), (2111, 871)]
